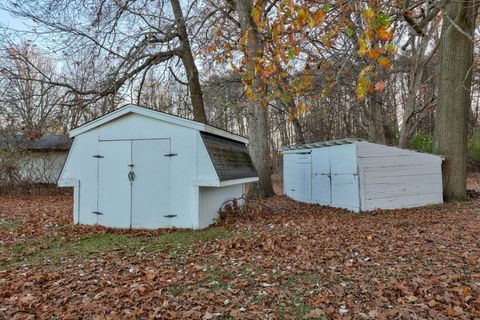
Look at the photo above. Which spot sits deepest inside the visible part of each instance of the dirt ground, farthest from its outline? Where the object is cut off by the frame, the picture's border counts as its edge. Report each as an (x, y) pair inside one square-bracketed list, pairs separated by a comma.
[(278, 260)]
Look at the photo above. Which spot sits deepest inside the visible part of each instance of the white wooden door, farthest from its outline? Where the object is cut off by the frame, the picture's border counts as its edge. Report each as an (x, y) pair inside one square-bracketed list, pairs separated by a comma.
[(151, 184), (113, 184), (303, 177), (345, 190), (321, 176)]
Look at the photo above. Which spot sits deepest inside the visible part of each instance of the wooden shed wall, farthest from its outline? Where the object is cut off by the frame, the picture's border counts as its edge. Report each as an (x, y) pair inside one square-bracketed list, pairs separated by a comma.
[(335, 179), (297, 175), (396, 178)]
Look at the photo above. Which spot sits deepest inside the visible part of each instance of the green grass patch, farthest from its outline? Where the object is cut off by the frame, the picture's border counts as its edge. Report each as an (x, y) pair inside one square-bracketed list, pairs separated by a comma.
[(9, 224), (182, 239), (297, 307), (54, 249)]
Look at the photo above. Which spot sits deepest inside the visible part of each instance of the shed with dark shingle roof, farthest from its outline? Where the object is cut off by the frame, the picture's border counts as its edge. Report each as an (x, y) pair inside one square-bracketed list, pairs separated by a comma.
[(140, 168)]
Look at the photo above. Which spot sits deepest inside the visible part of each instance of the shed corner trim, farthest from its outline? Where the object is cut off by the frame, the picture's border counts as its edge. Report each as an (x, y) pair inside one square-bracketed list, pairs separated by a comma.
[(68, 182)]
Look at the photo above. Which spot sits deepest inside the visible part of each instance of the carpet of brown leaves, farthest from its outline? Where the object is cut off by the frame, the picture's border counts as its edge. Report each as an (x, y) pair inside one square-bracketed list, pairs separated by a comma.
[(284, 260)]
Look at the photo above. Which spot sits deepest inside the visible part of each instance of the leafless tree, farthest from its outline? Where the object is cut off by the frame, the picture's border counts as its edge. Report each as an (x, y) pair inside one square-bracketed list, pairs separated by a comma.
[(131, 38)]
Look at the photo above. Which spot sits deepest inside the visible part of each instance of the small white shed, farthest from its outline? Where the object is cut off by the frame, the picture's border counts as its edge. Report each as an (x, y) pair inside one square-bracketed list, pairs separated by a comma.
[(140, 168), (360, 175)]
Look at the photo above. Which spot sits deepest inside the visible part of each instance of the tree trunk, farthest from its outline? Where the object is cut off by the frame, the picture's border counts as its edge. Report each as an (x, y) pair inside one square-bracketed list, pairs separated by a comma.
[(376, 132), (196, 94), (297, 126), (405, 135), (282, 129), (454, 83), (257, 115)]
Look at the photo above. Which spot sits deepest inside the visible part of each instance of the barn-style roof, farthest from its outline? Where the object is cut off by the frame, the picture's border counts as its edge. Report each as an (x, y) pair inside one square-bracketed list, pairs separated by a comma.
[(131, 108), (46, 142), (230, 158)]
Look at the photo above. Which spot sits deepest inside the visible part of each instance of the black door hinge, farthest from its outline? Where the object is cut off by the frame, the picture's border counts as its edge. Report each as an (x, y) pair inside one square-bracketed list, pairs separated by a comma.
[(97, 213), (98, 156), (170, 155)]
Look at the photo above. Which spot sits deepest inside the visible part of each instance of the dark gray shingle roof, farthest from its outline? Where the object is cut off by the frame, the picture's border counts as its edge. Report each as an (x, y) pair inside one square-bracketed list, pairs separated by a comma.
[(230, 158), (47, 142)]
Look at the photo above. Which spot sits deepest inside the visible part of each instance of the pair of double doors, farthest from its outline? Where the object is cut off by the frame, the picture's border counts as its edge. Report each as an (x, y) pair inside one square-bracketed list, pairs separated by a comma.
[(134, 183)]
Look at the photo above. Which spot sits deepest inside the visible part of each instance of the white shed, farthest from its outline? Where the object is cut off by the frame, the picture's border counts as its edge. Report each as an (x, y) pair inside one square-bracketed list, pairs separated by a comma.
[(360, 175), (140, 168)]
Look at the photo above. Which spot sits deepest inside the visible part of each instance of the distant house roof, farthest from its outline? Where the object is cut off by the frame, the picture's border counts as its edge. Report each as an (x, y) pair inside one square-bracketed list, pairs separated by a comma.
[(230, 158), (47, 142), (131, 108)]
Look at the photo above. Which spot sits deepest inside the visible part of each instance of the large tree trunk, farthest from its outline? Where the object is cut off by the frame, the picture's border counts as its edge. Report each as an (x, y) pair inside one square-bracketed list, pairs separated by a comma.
[(257, 115), (454, 83), (196, 94), (376, 132)]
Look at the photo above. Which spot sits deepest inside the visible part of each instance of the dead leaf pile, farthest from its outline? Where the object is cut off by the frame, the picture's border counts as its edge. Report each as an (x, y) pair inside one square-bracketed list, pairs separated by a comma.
[(296, 261)]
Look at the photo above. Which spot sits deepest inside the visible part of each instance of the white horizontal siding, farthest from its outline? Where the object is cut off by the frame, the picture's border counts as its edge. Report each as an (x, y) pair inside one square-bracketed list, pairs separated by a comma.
[(394, 178), (386, 190), (405, 201)]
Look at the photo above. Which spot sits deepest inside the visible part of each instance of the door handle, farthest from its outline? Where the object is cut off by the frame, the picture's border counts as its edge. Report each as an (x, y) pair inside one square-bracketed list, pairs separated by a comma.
[(131, 176)]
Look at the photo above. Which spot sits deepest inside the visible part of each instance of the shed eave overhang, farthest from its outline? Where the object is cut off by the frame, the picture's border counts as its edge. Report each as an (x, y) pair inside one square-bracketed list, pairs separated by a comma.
[(218, 183)]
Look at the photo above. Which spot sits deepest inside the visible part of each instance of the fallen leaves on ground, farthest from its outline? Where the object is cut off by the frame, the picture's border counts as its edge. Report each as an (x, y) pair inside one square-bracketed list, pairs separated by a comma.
[(283, 259)]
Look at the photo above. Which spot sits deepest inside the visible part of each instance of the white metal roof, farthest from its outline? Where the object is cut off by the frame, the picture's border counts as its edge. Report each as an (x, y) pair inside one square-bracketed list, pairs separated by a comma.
[(131, 108), (322, 144), (337, 142)]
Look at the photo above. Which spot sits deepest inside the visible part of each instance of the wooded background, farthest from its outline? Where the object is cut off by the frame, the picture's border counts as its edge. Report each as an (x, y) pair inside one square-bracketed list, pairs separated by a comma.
[(280, 72)]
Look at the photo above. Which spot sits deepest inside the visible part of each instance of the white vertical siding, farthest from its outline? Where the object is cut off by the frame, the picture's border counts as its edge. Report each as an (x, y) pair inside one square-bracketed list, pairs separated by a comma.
[(82, 169), (82, 166), (297, 170), (321, 176), (343, 163)]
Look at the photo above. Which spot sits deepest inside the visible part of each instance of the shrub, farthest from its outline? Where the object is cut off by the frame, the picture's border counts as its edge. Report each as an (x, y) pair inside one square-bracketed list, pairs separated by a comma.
[(9, 166), (422, 142), (474, 150)]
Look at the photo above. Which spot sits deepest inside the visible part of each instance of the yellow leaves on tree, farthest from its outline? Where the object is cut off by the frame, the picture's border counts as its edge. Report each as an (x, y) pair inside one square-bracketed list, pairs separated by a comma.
[(376, 45), (384, 62), (319, 16), (285, 62), (384, 34), (366, 83)]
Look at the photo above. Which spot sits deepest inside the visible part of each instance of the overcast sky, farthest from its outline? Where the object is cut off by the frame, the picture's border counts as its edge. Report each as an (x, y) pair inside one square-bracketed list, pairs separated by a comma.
[(11, 22)]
